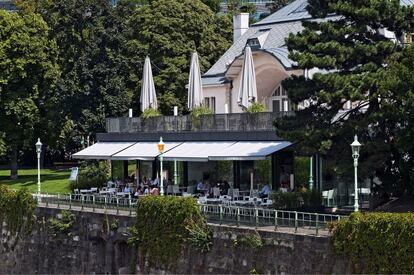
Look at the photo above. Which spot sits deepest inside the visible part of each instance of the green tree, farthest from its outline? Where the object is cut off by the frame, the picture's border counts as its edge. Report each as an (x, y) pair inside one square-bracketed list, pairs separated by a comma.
[(214, 5), (354, 56), (95, 81), (168, 32), (28, 73), (277, 4)]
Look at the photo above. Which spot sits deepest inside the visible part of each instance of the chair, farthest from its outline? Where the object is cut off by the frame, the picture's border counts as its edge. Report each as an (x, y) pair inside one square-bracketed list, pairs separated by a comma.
[(236, 194), (175, 189), (216, 192), (169, 189), (94, 190), (190, 189)]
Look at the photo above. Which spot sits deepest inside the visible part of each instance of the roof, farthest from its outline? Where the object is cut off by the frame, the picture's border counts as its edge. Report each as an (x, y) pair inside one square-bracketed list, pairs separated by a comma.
[(279, 24)]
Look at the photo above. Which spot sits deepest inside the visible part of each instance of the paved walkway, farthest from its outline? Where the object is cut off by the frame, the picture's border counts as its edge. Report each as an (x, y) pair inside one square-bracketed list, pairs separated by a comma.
[(131, 213)]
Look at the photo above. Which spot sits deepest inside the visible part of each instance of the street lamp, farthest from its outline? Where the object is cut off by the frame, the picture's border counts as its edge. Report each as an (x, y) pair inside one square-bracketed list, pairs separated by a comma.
[(355, 155), (38, 151), (161, 146)]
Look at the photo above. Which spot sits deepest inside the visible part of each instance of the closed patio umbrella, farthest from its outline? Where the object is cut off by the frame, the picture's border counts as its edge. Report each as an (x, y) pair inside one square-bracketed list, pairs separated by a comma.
[(195, 87), (247, 90), (148, 97)]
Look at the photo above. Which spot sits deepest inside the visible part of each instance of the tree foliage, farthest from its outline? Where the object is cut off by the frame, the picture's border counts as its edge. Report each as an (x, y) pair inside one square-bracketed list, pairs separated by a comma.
[(275, 5), (28, 74), (353, 58), (168, 32)]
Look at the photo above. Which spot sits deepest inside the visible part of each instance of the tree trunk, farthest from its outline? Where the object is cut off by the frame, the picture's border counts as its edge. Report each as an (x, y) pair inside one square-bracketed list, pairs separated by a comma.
[(13, 164)]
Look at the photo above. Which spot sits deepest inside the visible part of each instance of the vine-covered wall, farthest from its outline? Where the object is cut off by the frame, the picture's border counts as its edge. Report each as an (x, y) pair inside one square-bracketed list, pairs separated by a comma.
[(97, 243)]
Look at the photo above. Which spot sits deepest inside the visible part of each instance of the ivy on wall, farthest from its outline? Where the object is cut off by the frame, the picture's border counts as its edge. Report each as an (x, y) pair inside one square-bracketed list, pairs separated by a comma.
[(16, 210), (164, 226), (377, 242)]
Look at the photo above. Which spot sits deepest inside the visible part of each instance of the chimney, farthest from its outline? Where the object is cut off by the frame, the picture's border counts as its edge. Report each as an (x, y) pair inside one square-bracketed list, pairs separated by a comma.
[(240, 25)]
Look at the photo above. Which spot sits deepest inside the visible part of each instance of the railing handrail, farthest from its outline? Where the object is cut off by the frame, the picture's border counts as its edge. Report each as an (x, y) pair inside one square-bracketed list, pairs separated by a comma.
[(221, 212), (186, 123)]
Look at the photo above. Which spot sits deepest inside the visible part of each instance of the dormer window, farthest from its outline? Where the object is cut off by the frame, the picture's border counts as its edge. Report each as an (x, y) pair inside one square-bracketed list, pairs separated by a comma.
[(253, 43)]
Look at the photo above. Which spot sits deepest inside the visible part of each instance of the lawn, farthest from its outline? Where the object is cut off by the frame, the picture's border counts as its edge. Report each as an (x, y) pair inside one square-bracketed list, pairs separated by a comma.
[(52, 181)]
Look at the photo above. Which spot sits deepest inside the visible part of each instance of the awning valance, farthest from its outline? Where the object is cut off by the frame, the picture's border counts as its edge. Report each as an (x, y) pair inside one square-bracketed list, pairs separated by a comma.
[(195, 151), (143, 151), (102, 150), (253, 150)]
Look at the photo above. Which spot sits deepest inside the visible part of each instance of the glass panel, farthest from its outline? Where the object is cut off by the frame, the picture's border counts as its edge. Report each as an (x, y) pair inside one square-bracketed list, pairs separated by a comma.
[(262, 173), (285, 103), (146, 169), (213, 105), (117, 169), (276, 105)]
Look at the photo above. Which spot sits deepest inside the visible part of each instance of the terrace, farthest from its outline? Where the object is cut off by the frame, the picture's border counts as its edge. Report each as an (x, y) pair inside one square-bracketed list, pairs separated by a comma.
[(236, 122)]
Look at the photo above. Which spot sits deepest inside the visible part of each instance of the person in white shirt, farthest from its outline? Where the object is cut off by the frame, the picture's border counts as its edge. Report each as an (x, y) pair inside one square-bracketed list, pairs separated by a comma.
[(264, 193), (200, 187)]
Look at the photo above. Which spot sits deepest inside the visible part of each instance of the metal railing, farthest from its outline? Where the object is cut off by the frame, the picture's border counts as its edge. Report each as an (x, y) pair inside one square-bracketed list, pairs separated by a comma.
[(210, 123), (215, 213)]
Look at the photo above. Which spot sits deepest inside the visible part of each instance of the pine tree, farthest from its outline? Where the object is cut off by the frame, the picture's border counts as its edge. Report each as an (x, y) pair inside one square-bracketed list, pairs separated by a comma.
[(352, 54)]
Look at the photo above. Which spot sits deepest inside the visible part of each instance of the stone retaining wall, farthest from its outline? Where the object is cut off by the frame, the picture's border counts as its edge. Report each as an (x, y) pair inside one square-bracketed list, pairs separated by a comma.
[(97, 243)]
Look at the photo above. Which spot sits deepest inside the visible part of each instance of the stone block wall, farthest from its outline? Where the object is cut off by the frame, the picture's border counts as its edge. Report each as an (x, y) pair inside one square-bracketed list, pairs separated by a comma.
[(97, 243)]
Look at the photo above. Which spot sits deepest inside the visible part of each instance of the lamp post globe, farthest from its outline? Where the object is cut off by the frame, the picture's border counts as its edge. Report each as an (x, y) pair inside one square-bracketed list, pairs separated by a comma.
[(161, 146), (38, 151), (355, 146)]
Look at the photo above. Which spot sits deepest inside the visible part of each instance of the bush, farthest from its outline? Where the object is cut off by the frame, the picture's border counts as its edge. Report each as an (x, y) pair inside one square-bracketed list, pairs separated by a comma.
[(301, 168), (91, 174), (150, 113), (376, 242), (304, 198), (256, 107), (17, 210), (200, 111), (164, 225)]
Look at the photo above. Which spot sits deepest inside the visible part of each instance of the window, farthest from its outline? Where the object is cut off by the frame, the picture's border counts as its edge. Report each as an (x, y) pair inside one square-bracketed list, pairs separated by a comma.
[(408, 38), (279, 101), (210, 102)]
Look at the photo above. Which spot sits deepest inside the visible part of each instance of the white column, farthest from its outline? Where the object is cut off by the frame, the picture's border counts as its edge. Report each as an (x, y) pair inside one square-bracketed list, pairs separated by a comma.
[(161, 177), (356, 203), (38, 178), (310, 174)]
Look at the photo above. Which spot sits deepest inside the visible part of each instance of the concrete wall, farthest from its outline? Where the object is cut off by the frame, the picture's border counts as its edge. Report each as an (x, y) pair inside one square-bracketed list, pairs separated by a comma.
[(93, 247)]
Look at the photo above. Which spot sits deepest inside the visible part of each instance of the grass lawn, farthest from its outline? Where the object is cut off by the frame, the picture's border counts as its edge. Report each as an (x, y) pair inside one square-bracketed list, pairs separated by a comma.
[(52, 181)]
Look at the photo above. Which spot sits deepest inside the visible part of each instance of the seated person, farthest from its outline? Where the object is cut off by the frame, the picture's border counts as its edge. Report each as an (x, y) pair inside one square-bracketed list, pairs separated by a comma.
[(264, 193), (155, 191), (126, 189), (200, 187), (225, 186)]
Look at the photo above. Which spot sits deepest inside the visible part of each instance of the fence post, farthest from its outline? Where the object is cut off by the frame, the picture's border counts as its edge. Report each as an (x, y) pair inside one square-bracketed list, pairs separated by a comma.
[(275, 220), (70, 201), (296, 221), (221, 213), (47, 199), (256, 213), (58, 201), (81, 202), (117, 205), (317, 224), (238, 216), (93, 203)]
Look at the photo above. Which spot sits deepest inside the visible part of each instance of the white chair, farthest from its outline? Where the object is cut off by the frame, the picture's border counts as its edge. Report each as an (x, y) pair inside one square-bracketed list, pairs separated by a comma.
[(169, 189), (236, 194), (216, 192), (94, 190), (175, 189)]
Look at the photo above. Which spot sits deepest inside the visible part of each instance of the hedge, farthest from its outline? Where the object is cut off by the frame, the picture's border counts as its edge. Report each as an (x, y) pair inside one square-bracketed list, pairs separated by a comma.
[(376, 242), (164, 226)]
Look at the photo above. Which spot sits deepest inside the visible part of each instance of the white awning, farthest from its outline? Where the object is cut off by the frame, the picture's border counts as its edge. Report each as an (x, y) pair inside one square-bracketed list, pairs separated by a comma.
[(143, 151), (195, 151), (252, 150), (102, 150)]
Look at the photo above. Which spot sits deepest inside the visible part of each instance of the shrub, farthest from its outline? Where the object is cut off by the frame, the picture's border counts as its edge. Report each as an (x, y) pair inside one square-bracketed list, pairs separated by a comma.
[(303, 198), (250, 240), (200, 111), (62, 225), (256, 107), (164, 225), (150, 113), (376, 242), (17, 210), (91, 174)]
